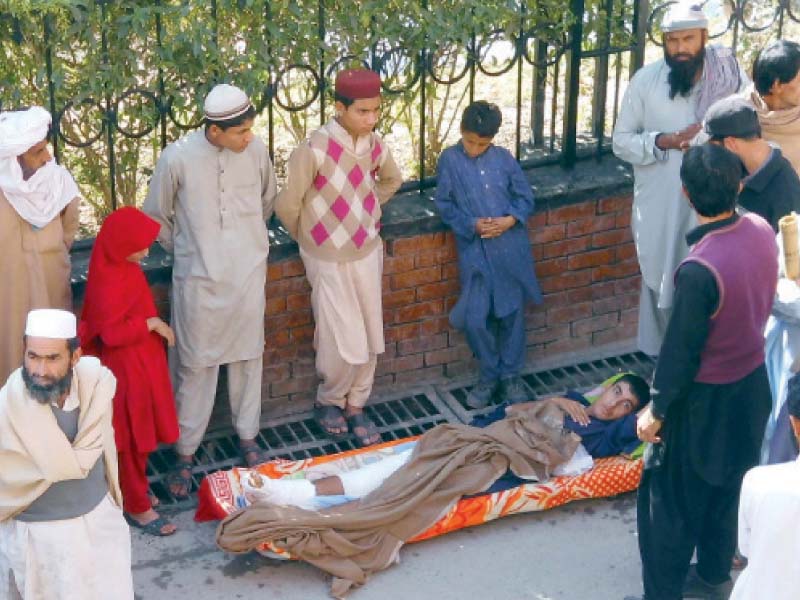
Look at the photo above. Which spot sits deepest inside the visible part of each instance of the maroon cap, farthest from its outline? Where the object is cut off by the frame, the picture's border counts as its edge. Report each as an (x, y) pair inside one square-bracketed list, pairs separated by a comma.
[(358, 83)]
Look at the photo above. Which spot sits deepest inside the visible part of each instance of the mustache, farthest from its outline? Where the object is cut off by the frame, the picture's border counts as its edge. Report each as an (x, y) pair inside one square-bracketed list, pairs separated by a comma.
[(683, 69), (45, 393)]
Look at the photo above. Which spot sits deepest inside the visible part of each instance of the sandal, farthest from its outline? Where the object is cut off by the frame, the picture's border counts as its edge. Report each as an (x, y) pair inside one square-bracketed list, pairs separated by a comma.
[(176, 479), (252, 454), (154, 500), (329, 418), (371, 434), (153, 528)]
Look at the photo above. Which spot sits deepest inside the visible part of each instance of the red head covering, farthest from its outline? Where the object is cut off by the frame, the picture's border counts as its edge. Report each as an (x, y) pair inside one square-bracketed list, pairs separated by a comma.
[(115, 284), (358, 83)]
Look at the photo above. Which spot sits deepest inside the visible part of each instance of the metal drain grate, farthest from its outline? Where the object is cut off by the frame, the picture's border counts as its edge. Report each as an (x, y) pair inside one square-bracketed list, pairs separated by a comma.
[(301, 437), (581, 376)]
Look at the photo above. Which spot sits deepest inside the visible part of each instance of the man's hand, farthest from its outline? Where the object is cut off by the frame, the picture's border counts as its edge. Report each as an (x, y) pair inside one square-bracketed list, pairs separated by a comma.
[(679, 140), (162, 329), (647, 426), (575, 410), (491, 227)]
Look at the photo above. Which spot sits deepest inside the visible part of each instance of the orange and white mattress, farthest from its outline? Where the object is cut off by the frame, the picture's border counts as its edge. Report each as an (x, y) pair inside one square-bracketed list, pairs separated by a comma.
[(221, 493)]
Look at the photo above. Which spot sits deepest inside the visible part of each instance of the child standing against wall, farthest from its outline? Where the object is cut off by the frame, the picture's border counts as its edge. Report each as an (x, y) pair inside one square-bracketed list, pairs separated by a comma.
[(483, 195)]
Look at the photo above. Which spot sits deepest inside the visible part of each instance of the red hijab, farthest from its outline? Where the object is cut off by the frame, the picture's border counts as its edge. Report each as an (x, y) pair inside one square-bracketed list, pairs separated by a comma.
[(115, 285)]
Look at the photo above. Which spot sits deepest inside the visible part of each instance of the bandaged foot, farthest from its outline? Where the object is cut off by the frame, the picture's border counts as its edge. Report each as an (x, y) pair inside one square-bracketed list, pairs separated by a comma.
[(283, 492)]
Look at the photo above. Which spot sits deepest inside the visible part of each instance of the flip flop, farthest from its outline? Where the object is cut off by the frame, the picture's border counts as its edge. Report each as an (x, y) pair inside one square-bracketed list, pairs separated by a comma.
[(252, 449), (153, 528), (362, 421), (328, 417), (176, 478)]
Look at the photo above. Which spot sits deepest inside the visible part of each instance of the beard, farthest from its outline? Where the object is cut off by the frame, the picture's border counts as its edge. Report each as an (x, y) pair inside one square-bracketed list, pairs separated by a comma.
[(51, 391), (682, 73)]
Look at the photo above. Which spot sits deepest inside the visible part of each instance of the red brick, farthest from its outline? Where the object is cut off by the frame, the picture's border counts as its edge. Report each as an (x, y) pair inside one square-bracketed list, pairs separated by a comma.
[(302, 334), (415, 244), (616, 204), (571, 213), (418, 376), (612, 237), (412, 279), (628, 285), (568, 344), (450, 271), (590, 225), (602, 290), (536, 320), (403, 331), (298, 301), (537, 220), (571, 279), (274, 271), (598, 323), (623, 219), (434, 325), (389, 316), (536, 252), (422, 344), (550, 233), (438, 256), (449, 303), (399, 298), (303, 368), (591, 259), (298, 318), (460, 368), (446, 355), (397, 264), (456, 338), (437, 290), (626, 251), (607, 305), (400, 364), (555, 266), (414, 312), (286, 286), (548, 334), (630, 316), (615, 271), (292, 268), (276, 372), (275, 306), (565, 247), (577, 295), (617, 334), (295, 384), (567, 314)]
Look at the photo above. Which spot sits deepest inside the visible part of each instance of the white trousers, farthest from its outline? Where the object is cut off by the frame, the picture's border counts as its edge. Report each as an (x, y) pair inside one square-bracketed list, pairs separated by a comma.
[(85, 558)]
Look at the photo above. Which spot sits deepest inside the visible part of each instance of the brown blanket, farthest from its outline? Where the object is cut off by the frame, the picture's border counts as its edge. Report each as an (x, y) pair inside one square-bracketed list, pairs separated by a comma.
[(353, 540)]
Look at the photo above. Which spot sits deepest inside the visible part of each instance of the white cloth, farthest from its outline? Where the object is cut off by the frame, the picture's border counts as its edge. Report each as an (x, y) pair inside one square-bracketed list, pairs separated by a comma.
[(41, 197), (769, 533), (22, 129), (51, 323), (225, 102), (212, 205), (661, 215), (683, 15), (85, 558)]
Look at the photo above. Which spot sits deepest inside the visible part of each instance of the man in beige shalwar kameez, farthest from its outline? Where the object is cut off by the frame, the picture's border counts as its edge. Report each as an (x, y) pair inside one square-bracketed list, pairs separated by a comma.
[(62, 534), (212, 192), (337, 180), (38, 222)]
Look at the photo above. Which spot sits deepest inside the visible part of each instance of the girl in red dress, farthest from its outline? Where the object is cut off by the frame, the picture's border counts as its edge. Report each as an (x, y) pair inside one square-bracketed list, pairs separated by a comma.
[(120, 325)]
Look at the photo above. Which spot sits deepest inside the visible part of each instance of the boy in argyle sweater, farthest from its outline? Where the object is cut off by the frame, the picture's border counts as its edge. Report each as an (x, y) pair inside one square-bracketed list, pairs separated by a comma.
[(331, 205)]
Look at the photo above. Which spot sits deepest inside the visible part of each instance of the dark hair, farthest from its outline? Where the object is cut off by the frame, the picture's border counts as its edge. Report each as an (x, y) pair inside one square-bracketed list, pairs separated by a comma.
[(793, 396), (482, 118), (72, 343), (780, 61), (639, 387), (343, 99), (247, 115), (711, 176)]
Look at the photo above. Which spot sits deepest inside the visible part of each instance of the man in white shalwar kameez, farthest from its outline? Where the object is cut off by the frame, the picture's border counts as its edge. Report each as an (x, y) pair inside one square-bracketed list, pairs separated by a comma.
[(212, 192), (337, 180), (769, 523), (661, 112), (62, 533)]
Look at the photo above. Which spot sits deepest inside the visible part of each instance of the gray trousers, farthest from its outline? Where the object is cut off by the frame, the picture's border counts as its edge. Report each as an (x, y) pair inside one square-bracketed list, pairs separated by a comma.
[(195, 389)]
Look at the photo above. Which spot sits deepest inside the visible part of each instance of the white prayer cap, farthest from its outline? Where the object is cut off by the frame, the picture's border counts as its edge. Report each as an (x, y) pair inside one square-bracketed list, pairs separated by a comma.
[(225, 102), (51, 323), (683, 15), (22, 129)]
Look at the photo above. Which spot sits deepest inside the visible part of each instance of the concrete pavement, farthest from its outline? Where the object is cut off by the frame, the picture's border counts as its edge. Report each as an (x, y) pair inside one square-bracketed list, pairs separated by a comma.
[(585, 550)]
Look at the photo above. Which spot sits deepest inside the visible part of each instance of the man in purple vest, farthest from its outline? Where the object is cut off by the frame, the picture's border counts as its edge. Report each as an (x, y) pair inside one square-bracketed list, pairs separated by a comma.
[(711, 394)]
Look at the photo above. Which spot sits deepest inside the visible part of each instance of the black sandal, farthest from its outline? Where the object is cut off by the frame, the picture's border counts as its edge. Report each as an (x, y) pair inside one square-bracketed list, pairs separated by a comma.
[(362, 421), (153, 528), (176, 479), (329, 417), (246, 450)]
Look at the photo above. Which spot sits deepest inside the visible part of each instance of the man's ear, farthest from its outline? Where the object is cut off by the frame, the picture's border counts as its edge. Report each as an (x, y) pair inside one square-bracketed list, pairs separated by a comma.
[(76, 356), (795, 423)]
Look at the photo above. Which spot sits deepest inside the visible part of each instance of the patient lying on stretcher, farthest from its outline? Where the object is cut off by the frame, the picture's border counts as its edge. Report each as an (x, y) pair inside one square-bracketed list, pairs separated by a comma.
[(604, 418)]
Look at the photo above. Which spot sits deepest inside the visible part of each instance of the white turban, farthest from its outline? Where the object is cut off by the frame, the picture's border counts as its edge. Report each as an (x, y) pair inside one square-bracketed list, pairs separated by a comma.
[(40, 198), (51, 323), (683, 15), (225, 102)]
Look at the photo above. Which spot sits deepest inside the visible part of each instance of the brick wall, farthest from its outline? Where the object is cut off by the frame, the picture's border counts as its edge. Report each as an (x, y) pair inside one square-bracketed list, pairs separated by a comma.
[(586, 263)]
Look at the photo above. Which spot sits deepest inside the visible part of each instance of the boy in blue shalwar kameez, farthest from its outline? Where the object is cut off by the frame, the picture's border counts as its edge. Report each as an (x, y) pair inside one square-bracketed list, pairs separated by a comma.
[(485, 198)]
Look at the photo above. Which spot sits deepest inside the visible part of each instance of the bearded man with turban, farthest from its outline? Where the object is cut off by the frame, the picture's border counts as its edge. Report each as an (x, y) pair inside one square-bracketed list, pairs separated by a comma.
[(38, 222)]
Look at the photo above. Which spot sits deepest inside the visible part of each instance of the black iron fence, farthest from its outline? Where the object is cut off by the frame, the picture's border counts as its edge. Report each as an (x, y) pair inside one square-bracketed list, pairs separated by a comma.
[(123, 79)]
